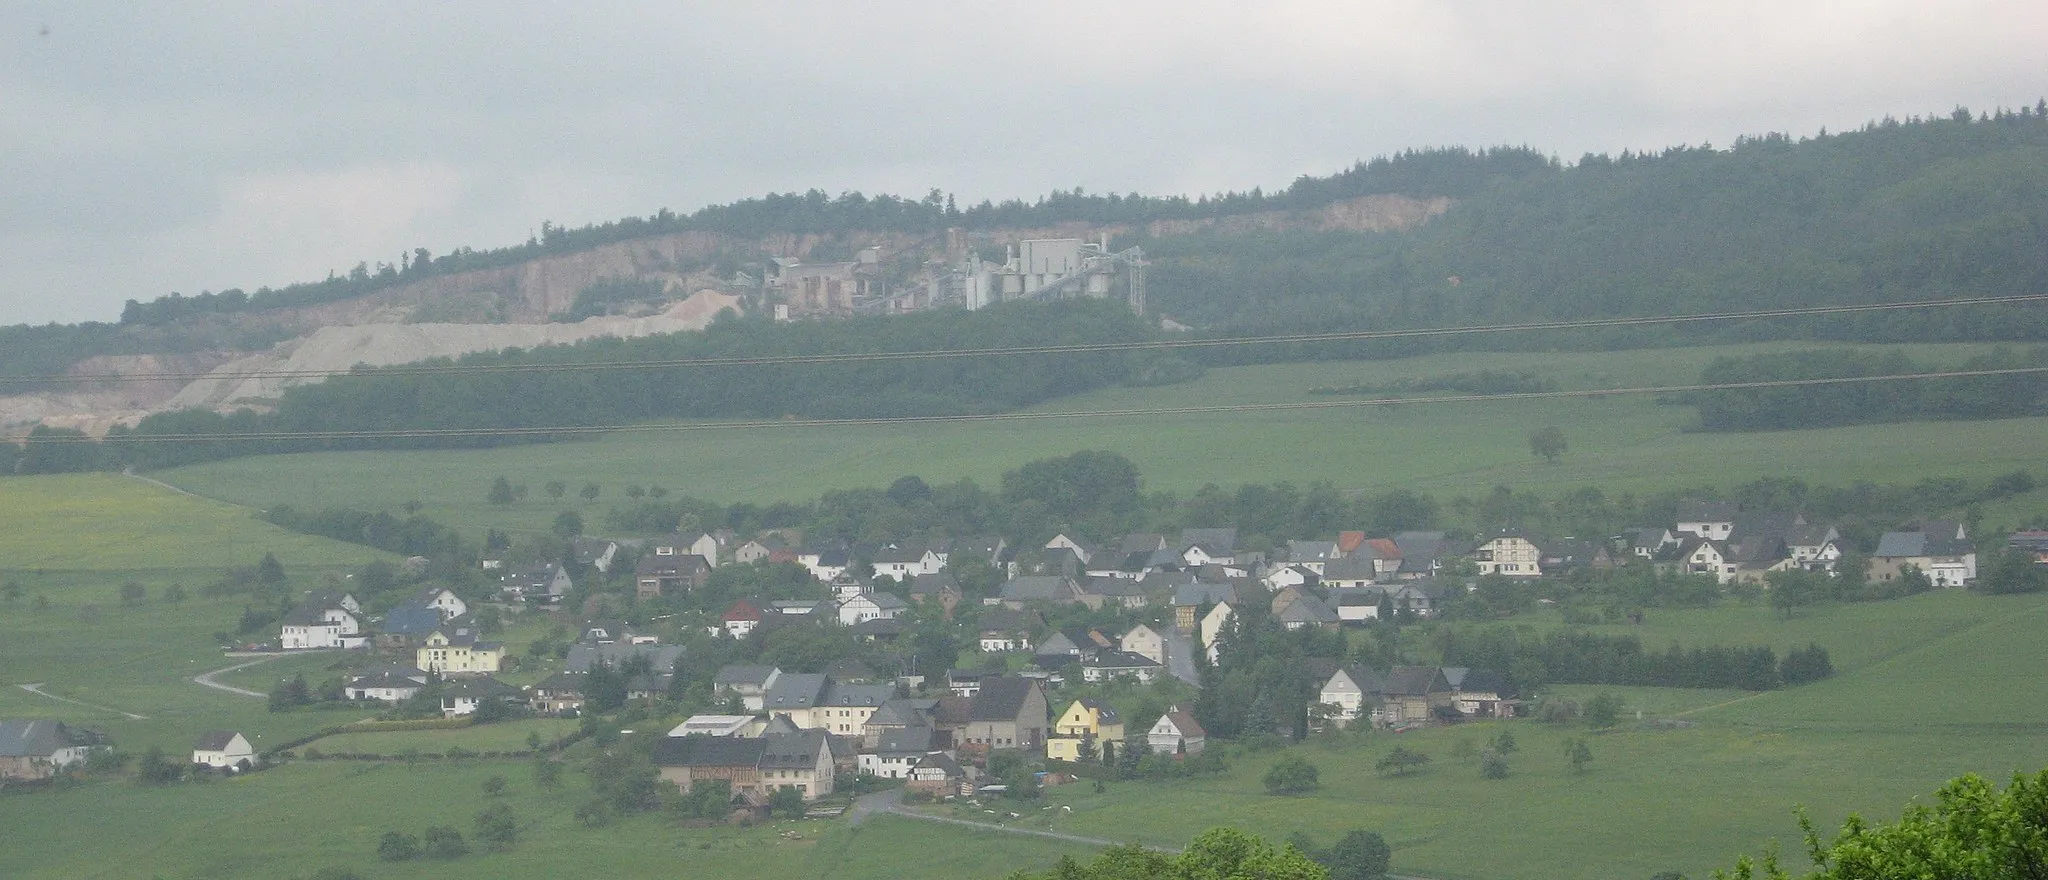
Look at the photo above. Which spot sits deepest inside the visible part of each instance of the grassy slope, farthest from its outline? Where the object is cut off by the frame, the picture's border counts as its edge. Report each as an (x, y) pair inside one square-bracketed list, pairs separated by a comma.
[(1618, 444), (1913, 706), (75, 540), (290, 821)]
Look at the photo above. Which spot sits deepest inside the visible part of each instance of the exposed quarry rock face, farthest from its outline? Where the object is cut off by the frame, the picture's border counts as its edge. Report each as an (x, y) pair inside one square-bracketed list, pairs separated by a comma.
[(509, 306), (95, 407), (379, 345)]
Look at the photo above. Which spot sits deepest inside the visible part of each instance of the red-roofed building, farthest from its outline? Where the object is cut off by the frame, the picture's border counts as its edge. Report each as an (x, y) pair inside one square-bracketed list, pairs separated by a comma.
[(741, 619)]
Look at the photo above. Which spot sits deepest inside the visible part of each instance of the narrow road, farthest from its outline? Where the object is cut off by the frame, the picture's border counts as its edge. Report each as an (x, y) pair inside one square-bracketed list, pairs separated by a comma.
[(205, 679), (37, 689), (1180, 658)]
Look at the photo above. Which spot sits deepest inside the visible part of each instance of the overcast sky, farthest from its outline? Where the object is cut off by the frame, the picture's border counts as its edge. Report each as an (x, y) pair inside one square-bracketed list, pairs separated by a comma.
[(147, 148)]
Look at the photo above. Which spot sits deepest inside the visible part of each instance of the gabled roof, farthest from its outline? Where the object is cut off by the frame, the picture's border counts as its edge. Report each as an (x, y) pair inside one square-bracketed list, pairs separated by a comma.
[(792, 751), (1350, 568), (1309, 610), (1415, 681), (943, 762), (1051, 588), (1103, 713), (794, 691), (1310, 551), (583, 656), (904, 741), (1349, 541), (478, 688), (214, 740), (1007, 620), (1486, 681), (904, 712), (1221, 542), (709, 751), (1001, 699), (881, 626), (1368, 680), (1184, 723), (562, 683), (863, 695), (1201, 592), (1119, 660), (34, 739), (737, 675), (386, 678), (1706, 511), (411, 620), (742, 610), (934, 584)]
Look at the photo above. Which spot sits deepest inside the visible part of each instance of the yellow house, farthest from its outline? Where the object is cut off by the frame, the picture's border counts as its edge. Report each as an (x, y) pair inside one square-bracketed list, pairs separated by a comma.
[(455, 651), (1084, 721)]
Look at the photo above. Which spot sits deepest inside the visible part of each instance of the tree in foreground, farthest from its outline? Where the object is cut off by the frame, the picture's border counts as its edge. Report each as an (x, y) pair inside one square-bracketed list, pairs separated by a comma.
[(1578, 753), (1973, 831), (1291, 775), (1218, 854)]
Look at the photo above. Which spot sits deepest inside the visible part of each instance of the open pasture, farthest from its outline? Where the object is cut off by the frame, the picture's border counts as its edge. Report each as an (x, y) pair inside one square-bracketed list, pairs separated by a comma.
[(1619, 444)]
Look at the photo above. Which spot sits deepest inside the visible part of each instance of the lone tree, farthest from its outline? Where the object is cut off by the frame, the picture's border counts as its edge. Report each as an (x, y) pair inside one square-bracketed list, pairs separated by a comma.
[(1578, 753), (132, 593), (1291, 775), (1548, 443), (1401, 762), (1602, 711), (501, 492), (1493, 765)]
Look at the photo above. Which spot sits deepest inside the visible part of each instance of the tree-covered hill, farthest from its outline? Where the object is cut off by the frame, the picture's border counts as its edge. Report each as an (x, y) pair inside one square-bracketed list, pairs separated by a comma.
[(1927, 209)]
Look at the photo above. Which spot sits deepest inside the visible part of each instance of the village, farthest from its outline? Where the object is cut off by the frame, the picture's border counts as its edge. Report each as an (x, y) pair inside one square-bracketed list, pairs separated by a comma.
[(1026, 684)]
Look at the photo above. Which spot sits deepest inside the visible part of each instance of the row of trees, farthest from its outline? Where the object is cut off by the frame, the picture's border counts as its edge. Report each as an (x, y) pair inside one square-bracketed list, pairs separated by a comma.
[(1855, 403), (1579, 657)]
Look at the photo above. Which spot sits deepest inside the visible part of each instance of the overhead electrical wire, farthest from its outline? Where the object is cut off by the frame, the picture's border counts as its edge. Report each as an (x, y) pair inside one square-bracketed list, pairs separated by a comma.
[(667, 427), (1079, 348)]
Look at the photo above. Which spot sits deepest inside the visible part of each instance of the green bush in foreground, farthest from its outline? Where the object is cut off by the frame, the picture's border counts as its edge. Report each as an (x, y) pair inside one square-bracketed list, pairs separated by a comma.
[(1972, 832)]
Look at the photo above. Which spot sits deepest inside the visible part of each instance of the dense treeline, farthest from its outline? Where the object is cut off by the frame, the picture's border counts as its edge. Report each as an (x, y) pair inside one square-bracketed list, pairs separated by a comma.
[(413, 535), (1579, 657), (1853, 403), (1935, 208), (382, 400)]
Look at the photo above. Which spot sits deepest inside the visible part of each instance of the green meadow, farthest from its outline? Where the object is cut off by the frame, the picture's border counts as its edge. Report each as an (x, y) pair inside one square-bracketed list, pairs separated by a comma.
[(72, 542), (297, 819), (1722, 774), (1620, 444)]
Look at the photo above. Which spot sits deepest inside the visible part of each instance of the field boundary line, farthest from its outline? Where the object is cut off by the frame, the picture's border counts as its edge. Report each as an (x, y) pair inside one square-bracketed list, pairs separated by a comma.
[(37, 689)]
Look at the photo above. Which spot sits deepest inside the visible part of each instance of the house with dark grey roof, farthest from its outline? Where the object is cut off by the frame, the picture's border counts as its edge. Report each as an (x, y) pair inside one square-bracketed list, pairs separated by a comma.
[(542, 583), (940, 587), (1188, 599), (1051, 589), (1113, 665), (660, 658), (1713, 520), (793, 696), (1307, 611), (462, 696), (1485, 693), (843, 708), (1940, 549), (1204, 546), (1008, 712), (1008, 629), (749, 683), (937, 774), (40, 749), (390, 684), (1413, 695), (406, 626), (896, 751)]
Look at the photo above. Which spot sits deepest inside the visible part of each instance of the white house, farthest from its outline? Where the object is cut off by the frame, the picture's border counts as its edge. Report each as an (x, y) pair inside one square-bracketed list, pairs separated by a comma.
[(310, 627), (223, 749), (1213, 626), (1176, 732), (871, 606), (391, 685), (443, 600), (1144, 642), (718, 725), (1509, 553), (1112, 665), (1712, 520), (1350, 694)]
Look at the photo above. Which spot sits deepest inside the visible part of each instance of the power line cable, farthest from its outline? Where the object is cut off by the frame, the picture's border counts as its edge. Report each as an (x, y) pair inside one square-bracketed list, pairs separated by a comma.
[(1078, 348), (678, 427)]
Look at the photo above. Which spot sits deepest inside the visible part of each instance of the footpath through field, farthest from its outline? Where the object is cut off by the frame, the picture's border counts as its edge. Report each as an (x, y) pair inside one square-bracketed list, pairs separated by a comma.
[(37, 689), (205, 679)]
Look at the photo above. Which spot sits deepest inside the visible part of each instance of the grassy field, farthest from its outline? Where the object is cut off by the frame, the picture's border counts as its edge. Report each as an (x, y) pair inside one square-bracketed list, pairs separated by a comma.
[(71, 542), (1912, 707), (1620, 444), (289, 822)]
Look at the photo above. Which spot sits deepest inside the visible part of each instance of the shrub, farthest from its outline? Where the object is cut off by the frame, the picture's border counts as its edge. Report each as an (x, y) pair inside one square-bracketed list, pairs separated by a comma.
[(1493, 765), (397, 846), (443, 842), (1291, 775)]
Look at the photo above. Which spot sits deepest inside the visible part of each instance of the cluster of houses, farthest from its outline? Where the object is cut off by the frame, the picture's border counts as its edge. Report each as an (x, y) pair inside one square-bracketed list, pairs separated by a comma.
[(41, 748)]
